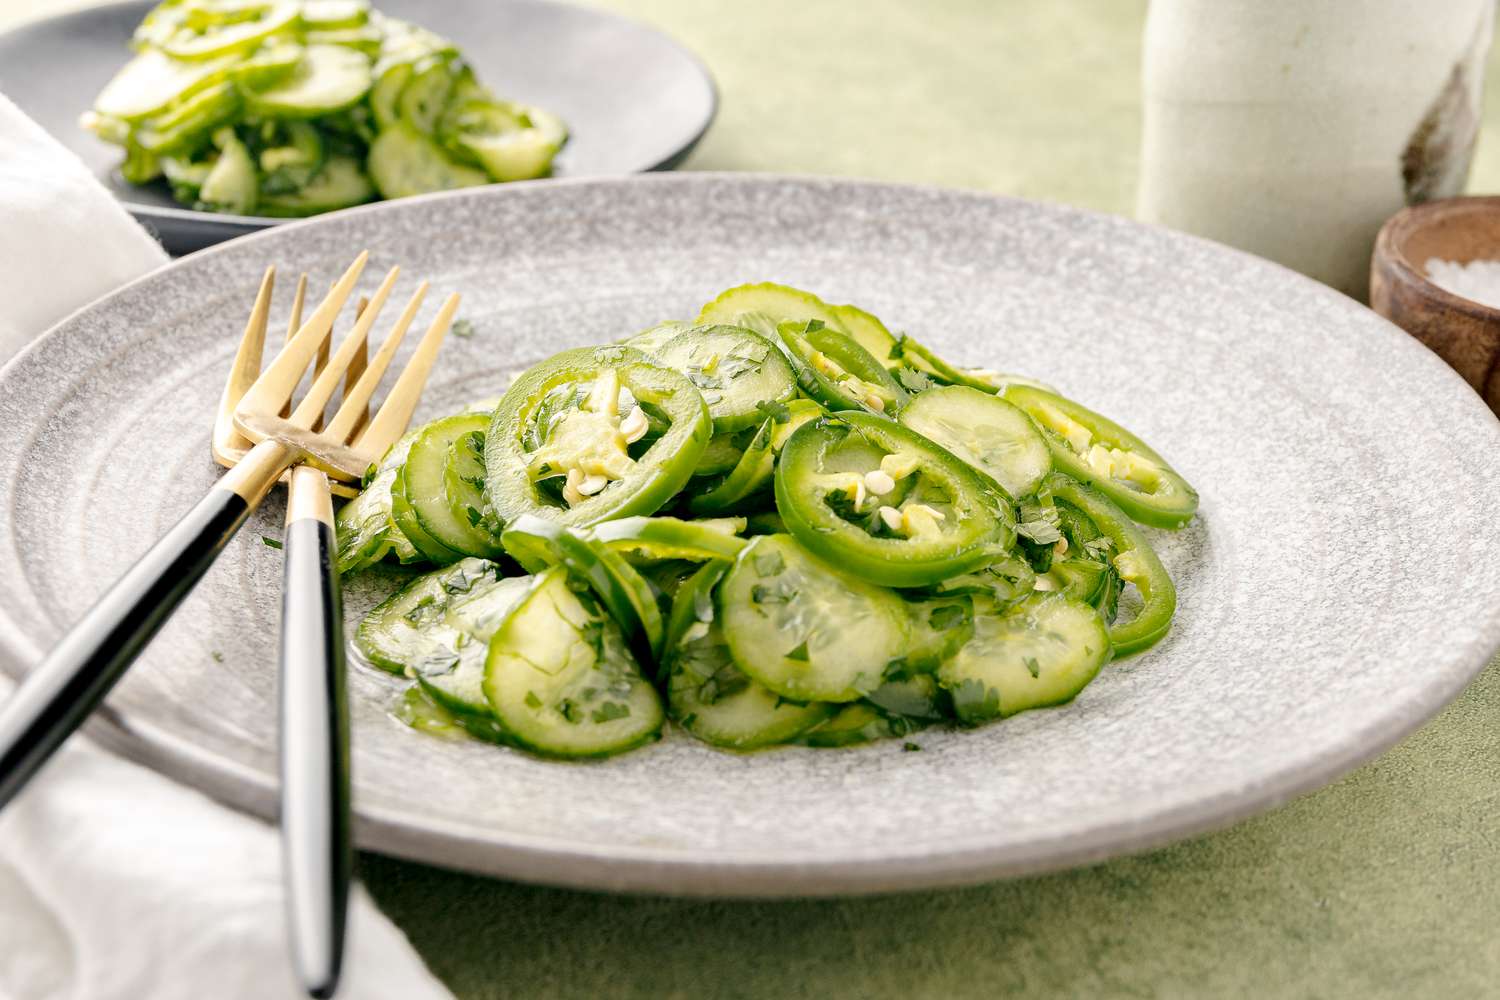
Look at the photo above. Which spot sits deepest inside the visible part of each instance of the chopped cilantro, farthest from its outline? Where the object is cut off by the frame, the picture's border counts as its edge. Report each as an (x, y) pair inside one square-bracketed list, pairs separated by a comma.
[(270, 542), (777, 593), (910, 747), (532, 700), (1032, 666), (975, 701), (570, 710), (462, 327), (1039, 524), (778, 412), (912, 380), (474, 517), (217, 656), (800, 653)]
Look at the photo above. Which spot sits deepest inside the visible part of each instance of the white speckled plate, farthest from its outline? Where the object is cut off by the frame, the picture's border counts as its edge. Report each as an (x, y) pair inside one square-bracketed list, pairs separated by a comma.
[(1338, 588)]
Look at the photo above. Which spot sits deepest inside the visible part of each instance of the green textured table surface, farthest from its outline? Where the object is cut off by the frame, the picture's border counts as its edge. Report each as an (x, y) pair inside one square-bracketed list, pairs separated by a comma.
[(1386, 884)]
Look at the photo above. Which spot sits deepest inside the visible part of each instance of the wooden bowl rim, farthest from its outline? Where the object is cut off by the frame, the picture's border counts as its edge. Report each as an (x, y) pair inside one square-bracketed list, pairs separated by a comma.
[(1388, 248)]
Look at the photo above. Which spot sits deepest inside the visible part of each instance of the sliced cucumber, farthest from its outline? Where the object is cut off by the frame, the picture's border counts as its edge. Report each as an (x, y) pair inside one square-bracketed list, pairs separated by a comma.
[(408, 633), (363, 525), (475, 617), (536, 544), (425, 96), (330, 15), (296, 158), (231, 184), (654, 338), (1039, 652), (868, 332), (153, 81), (765, 306), (939, 627), (405, 517), (993, 436), (385, 93), (426, 487), (856, 723), (190, 119), (405, 162), (341, 183), (736, 370), (707, 693), (517, 152), (328, 78), (562, 681), (806, 630), (233, 38), (917, 698)]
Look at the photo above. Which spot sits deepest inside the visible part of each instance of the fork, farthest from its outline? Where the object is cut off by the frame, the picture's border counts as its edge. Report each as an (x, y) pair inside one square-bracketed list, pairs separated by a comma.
[(70, 682), (317, 859)]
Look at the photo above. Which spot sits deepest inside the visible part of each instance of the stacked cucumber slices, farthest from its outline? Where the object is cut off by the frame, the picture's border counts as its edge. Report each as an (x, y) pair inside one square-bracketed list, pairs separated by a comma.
[(778, 523), (295, 107)]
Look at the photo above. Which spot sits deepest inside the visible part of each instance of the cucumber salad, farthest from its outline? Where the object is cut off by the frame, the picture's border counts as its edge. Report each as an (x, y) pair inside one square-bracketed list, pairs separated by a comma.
[(777, 523), (295, 107)]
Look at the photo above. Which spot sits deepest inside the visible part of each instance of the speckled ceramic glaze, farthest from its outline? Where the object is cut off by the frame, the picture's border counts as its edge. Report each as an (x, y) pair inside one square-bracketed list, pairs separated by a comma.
[(1338, 587), (633, 98)]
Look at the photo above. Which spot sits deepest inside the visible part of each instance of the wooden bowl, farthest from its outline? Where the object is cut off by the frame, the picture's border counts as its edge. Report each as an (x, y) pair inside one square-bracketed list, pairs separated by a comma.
[(1464, 333)]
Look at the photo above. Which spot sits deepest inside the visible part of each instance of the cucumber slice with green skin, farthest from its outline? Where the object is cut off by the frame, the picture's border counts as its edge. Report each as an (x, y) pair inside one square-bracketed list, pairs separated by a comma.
[(993, 436), (751, 476), (405, 162), (341, 183), (268, 65), (806, 630), (1039, 652), (185, 175), (291, 165), (364, 39), (329, 78), (231, 184), (765, 306), (464, 482), (329, 15), (939, 627), (409, 633), (537, 544), (474, 618), (868, 332), (425, 485), (735, 369), (186, 123), (510, 153), (707, 694), (654, 338), (425, 95), (405, 518), (235, 38), (561, 679), (363, 525), (659, 538), (833, 369), (385, 93), (153, 81)]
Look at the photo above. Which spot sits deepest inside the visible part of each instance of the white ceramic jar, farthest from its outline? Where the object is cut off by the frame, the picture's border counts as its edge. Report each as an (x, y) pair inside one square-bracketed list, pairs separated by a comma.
[(1294, 128)]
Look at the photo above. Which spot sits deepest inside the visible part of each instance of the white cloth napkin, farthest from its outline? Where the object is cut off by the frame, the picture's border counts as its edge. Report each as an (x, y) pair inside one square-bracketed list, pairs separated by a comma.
[(115, 883)]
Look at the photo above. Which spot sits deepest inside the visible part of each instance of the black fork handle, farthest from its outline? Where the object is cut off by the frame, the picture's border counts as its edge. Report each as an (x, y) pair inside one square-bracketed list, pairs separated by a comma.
[(316, 856), (73, 679)]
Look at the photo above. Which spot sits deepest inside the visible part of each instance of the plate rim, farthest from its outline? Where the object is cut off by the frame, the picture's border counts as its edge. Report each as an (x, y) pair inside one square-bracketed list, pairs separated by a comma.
[(247, 224), (634, 868)]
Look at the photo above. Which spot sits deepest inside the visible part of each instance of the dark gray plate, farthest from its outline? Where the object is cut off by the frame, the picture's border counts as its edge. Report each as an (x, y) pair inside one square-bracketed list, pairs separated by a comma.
[(1338, 588), (634, 99)]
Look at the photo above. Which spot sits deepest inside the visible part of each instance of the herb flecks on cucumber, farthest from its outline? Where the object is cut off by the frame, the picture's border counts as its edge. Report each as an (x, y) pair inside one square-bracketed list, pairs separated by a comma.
[(296, 107), (781, 524)]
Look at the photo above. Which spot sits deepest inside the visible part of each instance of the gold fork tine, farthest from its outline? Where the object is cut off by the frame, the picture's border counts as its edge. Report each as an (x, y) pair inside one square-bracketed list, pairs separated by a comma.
[(395, 413), (317, 397), (293, 324), (355, 408), (244, 371), (357, 366), (276, 384)]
